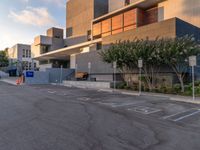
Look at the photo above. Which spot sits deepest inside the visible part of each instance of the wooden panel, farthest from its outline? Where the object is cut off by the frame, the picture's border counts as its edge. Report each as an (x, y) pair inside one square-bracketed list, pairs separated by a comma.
[(129, 27), (106, 34), (130, 17), (151, 16), (97, 29), (106, 25), (117, 31), (117, 22)]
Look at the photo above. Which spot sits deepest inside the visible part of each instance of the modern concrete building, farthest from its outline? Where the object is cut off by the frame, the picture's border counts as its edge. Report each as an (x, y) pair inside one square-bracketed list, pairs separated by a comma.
[(20, 54), (43, 44), (93, 25)]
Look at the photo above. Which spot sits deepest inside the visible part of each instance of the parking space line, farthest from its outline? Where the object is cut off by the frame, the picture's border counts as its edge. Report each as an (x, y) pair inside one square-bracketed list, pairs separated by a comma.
[(145, 110), (126, 104), (166, 117), (51, 92), (186, 116)]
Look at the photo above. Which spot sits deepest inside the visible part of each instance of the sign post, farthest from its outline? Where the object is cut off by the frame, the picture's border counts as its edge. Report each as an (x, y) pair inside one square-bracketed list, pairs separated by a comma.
[(114, 73), (193, 63), (89, 70), (140, 65), (61, 73)]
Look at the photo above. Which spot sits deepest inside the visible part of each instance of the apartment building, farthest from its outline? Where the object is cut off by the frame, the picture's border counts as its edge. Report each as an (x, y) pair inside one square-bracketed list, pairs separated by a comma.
[(92, 25), (20, 55)]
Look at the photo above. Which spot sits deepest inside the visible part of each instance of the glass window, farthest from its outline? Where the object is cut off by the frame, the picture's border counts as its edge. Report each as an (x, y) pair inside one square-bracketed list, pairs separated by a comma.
[(24, 53)]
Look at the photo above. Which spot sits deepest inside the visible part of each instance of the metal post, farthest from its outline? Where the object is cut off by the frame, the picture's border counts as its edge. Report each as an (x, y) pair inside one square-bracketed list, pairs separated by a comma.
[(61, 72), (89, 70), (140, 82), (114, 74), (193, 63), (140, 65), (193, 87)]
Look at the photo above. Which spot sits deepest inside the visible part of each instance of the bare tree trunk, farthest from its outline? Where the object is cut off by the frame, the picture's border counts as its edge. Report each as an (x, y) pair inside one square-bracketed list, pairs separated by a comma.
[(181, 82)]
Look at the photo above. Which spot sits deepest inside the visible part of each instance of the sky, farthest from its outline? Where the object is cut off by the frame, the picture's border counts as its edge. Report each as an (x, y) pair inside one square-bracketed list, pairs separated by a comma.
[(22, 20)]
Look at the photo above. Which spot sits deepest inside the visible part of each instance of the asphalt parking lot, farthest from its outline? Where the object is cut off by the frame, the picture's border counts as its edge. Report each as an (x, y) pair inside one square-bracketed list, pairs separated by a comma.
[(47, 117)]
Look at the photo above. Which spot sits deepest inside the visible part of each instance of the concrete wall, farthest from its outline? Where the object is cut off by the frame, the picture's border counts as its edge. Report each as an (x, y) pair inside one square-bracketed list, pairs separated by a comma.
[(165, 28), (80, 14), (55, 32), (40, 77), (187, 10)]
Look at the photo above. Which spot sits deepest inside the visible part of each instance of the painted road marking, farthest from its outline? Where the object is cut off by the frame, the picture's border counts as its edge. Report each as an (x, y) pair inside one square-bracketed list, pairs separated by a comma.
[(84, 98), (120, 104), (126, 104), (145, 110), (166, 117), (51, 92), (186, 116)]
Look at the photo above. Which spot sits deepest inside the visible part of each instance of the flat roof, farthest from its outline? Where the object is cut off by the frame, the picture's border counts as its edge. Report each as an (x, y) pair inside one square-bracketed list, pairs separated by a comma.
[(63, 52)]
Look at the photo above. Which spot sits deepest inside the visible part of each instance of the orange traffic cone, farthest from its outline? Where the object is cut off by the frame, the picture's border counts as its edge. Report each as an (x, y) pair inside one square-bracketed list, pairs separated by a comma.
[(17, 82)]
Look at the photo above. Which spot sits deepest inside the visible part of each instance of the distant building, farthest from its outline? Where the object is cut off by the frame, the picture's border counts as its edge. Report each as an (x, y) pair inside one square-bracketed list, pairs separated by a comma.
[(20, 55)]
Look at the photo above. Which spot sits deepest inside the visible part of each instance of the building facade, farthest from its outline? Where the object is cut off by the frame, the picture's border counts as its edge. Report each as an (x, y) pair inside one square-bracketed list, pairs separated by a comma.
[(91, 27), (20, 56)]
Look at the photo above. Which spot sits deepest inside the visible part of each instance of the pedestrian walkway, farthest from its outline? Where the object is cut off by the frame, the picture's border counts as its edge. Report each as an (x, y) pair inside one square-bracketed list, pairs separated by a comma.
[(9, 80)]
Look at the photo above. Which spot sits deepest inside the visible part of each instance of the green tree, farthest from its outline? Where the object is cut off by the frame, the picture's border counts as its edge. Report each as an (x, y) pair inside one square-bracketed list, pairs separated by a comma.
[(3, 59), (173, 52), (176, 53)]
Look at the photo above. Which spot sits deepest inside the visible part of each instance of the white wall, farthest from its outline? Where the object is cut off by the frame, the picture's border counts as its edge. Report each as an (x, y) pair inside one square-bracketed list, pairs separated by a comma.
[(73, 61)]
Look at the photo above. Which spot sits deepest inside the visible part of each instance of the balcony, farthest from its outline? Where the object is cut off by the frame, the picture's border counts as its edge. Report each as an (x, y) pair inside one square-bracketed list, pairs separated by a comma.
[(42, 40)]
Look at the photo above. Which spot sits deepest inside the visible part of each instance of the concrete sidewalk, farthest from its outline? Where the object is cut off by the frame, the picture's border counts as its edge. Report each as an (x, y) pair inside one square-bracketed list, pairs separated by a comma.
[(187, 99), (9, 80)]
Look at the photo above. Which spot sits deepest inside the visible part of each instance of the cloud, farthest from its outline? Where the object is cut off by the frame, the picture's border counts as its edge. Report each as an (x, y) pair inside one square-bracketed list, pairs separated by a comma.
[(33, 16), (25, 1), (60, 3)]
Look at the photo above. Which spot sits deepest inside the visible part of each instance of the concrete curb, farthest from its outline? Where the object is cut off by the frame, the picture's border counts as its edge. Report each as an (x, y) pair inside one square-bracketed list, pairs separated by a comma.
[(8, 81), (170, 97)]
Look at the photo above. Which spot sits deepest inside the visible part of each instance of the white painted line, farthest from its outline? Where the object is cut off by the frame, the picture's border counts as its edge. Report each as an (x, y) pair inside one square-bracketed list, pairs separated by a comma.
[(145, 110), (106, 90), (128, 93), (186, 116), (51, 92), (126, 104), (166, 117)]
